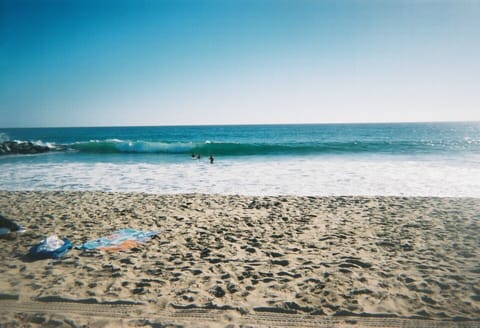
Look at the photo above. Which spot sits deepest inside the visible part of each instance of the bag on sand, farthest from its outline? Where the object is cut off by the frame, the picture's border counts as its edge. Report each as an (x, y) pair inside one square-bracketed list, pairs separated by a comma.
[(51, 247), (8, 228)]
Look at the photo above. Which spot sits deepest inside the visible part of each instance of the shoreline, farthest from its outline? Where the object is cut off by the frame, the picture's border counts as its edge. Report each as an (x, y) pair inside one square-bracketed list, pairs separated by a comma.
[(328, 257)]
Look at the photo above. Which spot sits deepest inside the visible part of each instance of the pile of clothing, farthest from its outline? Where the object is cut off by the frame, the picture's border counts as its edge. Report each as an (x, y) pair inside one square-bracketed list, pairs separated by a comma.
[(51, 247), (9, 229)]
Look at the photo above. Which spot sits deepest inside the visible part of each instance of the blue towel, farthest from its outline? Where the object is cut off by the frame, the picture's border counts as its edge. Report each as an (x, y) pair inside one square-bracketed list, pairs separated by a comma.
[(39, 251), (119, 237)]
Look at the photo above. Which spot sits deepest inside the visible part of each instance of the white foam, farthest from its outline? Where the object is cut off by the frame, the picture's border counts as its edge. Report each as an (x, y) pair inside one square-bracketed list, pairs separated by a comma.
[(321, 176), (4, 137)]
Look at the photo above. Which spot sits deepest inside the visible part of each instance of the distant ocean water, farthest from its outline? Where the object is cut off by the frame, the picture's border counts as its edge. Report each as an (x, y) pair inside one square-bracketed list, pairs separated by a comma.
[(410, 159)]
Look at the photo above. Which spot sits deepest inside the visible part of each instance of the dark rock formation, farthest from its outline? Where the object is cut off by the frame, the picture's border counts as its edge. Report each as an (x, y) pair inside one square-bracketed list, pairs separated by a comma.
[(15, 147)]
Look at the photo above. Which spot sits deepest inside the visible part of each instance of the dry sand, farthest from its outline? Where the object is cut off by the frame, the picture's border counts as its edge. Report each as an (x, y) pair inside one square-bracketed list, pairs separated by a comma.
[(236, 260)]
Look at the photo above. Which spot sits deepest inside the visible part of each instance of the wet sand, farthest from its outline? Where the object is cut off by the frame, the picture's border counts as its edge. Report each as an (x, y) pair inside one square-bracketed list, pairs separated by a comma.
[(232, 260)]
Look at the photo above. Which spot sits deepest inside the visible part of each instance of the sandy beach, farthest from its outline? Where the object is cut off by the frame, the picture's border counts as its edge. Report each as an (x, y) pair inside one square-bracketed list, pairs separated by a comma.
[(237, 260)]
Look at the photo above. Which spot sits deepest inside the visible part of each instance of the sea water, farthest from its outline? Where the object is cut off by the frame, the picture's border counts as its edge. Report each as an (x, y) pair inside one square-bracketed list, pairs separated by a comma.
[(409, 159)]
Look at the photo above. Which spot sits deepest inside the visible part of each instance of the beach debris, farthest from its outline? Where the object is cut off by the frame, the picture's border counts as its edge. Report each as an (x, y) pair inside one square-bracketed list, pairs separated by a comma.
[(50, 247), (119, 240)]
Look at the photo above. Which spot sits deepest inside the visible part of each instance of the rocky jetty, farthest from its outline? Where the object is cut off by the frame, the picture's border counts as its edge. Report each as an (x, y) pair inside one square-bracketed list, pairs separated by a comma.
[(16, 147)]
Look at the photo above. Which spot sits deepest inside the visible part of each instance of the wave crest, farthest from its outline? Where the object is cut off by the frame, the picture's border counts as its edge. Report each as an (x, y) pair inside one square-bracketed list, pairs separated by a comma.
[(117, 146), (245, 149), (121, 146)]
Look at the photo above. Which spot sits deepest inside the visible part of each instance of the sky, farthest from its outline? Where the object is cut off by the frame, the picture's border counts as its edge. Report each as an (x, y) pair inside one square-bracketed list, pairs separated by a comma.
[(185, 62)]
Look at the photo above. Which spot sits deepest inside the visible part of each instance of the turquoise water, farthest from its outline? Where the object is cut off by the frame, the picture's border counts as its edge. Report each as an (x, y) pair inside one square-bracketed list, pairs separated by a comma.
[(312, 159), (293, 140)]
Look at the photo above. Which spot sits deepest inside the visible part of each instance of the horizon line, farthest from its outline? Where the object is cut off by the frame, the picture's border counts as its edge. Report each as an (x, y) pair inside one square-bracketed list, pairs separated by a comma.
[(235, 124)]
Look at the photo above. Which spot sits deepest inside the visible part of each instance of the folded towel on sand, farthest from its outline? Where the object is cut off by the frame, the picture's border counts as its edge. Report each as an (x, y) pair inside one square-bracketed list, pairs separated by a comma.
[(119, 240)]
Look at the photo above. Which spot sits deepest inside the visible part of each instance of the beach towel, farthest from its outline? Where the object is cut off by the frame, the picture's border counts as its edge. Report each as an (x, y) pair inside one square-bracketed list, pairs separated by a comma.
[(51, 247), (119, 240)]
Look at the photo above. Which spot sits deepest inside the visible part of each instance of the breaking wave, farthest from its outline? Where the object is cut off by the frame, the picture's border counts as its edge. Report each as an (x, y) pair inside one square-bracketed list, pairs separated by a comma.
[(242, 149)]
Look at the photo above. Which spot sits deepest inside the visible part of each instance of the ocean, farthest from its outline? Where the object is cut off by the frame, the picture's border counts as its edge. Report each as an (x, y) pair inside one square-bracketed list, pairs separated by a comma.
[(398, 159)]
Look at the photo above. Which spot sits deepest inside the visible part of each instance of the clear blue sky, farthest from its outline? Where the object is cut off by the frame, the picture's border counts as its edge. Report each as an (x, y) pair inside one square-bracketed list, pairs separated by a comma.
[(83, 63)]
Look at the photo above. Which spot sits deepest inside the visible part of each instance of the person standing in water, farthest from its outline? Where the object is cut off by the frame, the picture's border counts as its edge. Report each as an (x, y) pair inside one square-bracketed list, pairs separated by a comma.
[(211, 159)]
